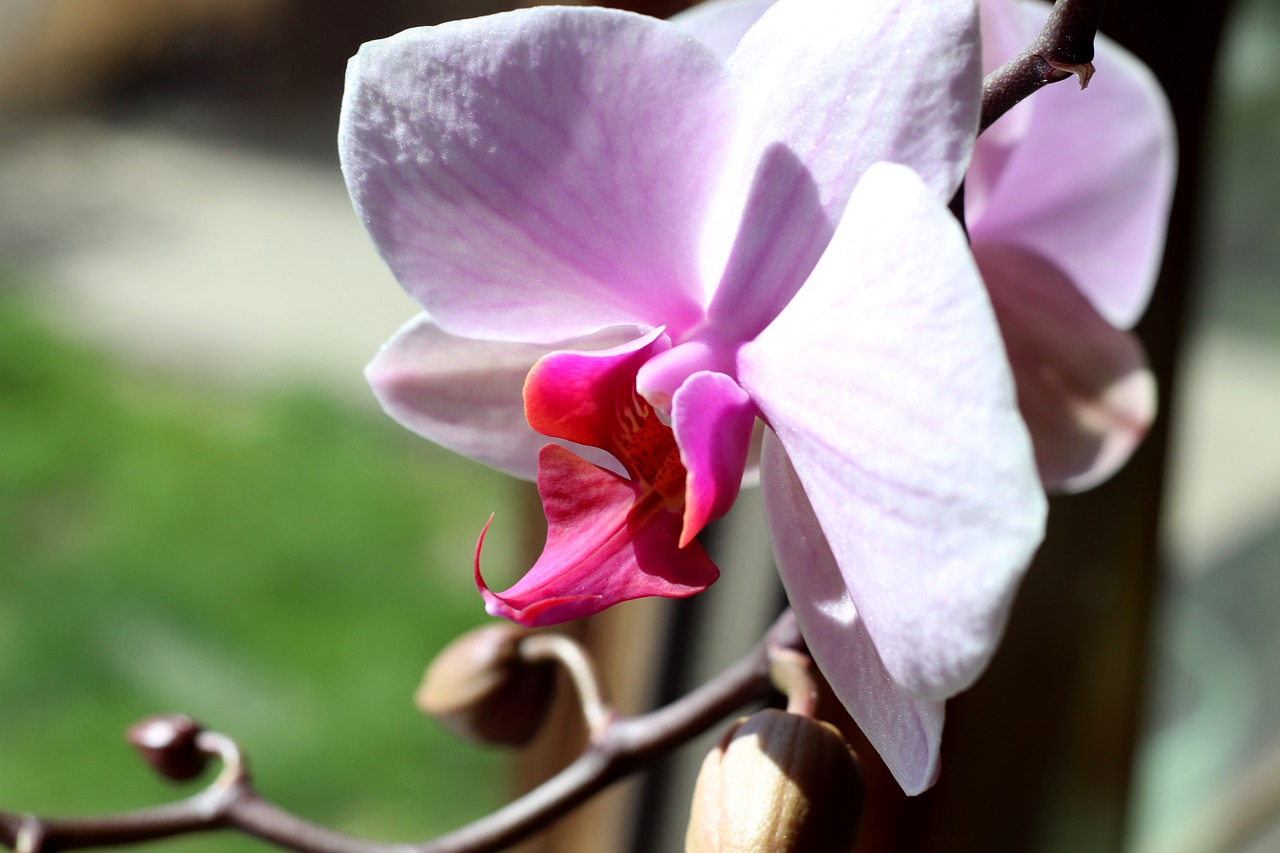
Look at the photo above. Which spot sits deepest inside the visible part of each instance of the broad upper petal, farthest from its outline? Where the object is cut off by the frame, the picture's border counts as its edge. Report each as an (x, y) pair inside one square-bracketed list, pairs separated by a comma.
[(465, 394), (845, 83), (539, 174), (1089, 183), (1084, 387), (608, 540), (886, 381), (905, 731)]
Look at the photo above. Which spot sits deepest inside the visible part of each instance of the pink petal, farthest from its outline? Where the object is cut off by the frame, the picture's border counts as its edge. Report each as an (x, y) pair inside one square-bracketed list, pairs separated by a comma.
[(465, 395), (845, 83), (885, 380), (539, 174), (721, 24), (582, 396), (1088, 185), (1006, 32), (608, 540), (712, 418), (1083, 386), (784, 230), (905, 731)]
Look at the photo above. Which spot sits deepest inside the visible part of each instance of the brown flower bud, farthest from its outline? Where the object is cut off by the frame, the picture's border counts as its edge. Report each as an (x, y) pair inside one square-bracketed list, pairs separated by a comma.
[(777, 783), (168, 743), (483, 690)]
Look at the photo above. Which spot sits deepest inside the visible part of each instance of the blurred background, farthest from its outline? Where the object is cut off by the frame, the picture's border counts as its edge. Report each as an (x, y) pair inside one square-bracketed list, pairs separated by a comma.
[(202, 509)]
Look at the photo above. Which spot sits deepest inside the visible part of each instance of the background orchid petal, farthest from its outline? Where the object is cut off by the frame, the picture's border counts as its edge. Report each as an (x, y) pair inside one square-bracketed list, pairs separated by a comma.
[(712, 419), (906, 732), (466, 395), (844, 83), (721, 24), (1084, 387), (608, 540), (1006, 32), (542, 173), (885, 379), (1089, 183)]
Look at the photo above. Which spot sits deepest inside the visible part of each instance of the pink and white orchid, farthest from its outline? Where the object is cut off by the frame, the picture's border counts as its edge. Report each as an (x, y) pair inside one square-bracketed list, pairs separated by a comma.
[(1067, 202), (636, 246)]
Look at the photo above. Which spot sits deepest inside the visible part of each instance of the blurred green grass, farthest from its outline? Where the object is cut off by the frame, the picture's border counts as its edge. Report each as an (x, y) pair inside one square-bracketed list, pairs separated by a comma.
[(275, 564)]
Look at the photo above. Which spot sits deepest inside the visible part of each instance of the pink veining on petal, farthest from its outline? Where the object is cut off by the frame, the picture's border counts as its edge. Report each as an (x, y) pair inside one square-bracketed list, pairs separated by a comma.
[(497, 165)]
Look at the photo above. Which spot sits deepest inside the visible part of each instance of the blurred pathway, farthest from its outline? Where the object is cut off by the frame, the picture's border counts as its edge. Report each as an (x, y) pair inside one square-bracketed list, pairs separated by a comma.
[(197, 257)]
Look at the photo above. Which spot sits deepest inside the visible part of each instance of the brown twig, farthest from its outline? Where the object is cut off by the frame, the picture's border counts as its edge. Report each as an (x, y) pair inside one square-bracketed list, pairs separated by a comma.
[(1063, 48), (621, 746)]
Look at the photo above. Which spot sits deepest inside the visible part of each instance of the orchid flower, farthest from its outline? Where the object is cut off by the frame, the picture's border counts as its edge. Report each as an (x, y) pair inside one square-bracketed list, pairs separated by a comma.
[(638, 247), (1067, 201)]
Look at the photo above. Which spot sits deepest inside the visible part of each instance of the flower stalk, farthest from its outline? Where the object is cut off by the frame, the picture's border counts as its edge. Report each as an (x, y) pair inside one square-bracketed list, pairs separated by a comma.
[(620, 745), (1063, 48)]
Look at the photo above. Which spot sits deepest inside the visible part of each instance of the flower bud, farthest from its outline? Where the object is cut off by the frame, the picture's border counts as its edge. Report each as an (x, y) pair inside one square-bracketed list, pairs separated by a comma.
[(481, 688), (777, 783), (168, 743)]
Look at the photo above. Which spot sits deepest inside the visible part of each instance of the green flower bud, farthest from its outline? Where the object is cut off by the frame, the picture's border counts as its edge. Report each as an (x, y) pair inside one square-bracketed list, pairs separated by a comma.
[(777, 783)]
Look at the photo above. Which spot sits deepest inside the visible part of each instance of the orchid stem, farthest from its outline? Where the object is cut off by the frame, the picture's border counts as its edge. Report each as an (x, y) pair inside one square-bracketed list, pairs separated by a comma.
[(792, 674), (581, 669), (1063, 48), (621, 745)]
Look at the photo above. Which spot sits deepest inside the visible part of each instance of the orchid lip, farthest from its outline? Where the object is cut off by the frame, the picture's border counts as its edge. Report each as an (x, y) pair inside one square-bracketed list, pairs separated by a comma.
[(609, 539), (498, 607), (650, 452)]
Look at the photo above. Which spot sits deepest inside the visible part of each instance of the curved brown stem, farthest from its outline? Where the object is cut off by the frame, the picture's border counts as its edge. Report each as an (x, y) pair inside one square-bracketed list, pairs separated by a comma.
[(623, 745), (1063, 48)]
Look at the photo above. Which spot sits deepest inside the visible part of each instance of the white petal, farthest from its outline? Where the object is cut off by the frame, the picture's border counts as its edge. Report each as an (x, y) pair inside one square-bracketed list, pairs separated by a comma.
[(886, 381), (905, 731), (466, 395)]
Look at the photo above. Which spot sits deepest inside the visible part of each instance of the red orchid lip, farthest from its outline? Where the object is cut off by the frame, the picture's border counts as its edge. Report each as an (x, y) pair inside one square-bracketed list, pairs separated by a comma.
[(609, 539)]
